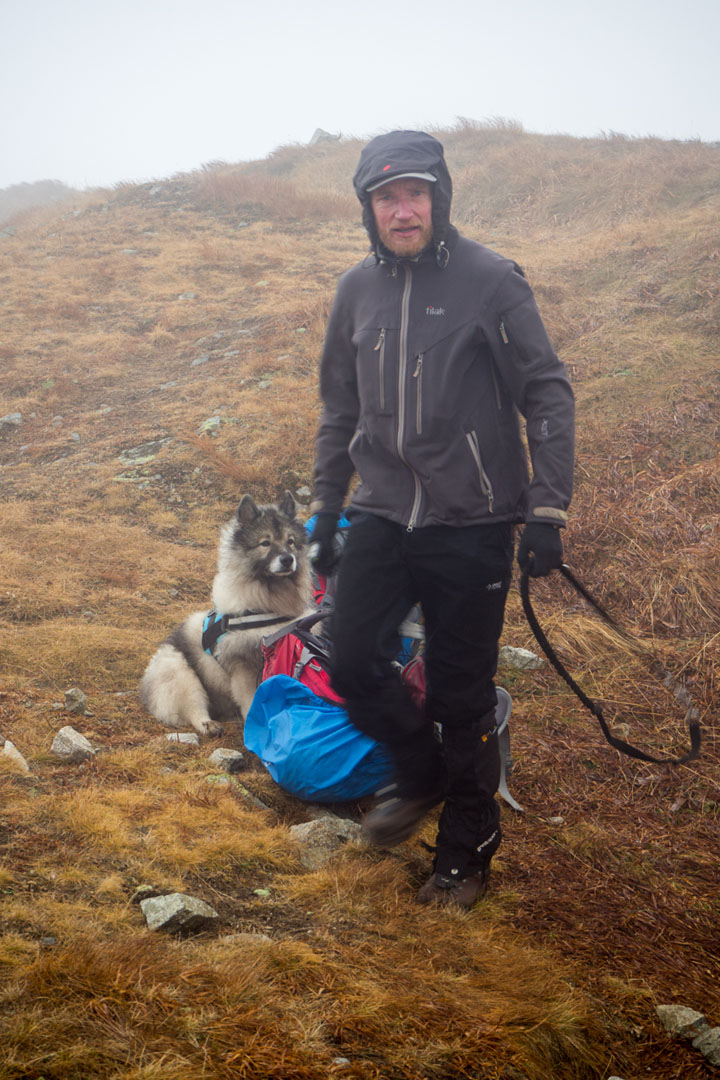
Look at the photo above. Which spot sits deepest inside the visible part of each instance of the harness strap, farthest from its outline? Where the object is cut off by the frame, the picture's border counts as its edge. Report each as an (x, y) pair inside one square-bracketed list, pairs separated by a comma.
[(216, 625), (692, 716)]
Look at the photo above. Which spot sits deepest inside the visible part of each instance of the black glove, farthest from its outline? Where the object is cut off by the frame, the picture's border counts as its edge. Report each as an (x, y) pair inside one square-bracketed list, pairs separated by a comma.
[(540, 549), (324, 552)]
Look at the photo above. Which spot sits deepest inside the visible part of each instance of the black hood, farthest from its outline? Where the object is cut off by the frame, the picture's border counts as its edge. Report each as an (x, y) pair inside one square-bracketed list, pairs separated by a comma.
[(398, 152)]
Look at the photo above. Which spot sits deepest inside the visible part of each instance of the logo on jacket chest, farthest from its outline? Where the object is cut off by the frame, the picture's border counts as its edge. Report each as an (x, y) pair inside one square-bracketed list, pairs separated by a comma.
[(434, 310)]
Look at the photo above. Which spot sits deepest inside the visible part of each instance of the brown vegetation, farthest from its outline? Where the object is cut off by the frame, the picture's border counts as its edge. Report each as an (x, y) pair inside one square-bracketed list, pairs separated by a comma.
[(161, 344)]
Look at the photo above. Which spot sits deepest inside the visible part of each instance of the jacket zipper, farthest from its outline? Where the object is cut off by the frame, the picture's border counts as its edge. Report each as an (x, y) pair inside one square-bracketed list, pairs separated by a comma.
[(417, 374), (402, 392), (380, 347), (485, 484), (498, 399)]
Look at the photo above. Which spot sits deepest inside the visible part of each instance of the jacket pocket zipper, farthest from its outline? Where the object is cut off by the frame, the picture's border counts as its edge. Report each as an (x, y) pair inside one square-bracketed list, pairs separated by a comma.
[(485, 484), (498, 399), (417, 374), (380, 347)]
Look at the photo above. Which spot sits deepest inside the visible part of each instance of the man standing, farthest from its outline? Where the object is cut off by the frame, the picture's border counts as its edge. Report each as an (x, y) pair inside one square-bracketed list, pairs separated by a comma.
[(433, 347)]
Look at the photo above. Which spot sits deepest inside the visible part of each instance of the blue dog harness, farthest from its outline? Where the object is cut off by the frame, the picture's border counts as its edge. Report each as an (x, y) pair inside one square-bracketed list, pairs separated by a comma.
[(216, 625)]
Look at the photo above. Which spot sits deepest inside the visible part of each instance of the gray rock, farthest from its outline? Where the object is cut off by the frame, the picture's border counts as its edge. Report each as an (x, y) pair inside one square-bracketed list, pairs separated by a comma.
[(176, 911), (320, 135), (139, 455), (200, 360), (10, 422), (322, 837), (709, 1045), (187, 737), (71, 746), (13, 754), (229, 761), (210, 426), (75, 701), (682, 1022), (520, 659), (187, 296)]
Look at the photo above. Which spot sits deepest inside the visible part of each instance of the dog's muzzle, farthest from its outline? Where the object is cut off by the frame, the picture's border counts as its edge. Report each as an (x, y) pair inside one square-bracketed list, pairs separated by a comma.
[(284, 564)]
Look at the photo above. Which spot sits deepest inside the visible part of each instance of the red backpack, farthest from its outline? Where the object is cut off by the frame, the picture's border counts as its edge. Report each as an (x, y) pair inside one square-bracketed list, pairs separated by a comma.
[(298, 652)]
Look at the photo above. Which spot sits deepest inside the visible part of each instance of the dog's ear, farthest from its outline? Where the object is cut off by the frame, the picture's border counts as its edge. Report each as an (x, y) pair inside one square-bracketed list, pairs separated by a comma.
[(247, 511), (288, 506)]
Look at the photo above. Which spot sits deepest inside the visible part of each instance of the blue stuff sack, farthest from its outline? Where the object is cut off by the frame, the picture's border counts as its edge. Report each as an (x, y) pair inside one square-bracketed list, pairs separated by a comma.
[(309, 746)]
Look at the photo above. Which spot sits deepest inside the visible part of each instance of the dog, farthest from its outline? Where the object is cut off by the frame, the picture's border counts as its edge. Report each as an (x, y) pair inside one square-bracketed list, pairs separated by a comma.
[(209, 667)]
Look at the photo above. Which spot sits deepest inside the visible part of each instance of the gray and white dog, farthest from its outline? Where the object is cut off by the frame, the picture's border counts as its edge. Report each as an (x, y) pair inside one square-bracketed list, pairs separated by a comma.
[(210, 665)]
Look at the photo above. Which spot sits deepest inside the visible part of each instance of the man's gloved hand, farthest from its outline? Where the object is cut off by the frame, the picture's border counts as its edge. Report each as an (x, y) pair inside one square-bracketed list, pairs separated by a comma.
[(540, 549), (324, 552)]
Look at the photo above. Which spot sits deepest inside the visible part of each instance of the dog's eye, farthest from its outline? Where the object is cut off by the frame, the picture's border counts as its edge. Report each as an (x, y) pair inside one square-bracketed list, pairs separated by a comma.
[(264, 543), (291, 541)]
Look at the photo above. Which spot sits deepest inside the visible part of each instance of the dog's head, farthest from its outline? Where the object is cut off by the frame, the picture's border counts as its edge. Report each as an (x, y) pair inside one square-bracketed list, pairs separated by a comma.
[(270, 537)]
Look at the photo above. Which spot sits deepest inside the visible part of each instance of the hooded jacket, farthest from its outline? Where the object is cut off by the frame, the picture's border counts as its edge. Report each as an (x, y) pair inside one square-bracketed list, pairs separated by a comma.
[(427, 363)]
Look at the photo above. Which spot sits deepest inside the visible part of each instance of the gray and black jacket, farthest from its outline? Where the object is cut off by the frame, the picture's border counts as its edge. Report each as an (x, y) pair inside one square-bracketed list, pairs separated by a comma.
[(427, 364)]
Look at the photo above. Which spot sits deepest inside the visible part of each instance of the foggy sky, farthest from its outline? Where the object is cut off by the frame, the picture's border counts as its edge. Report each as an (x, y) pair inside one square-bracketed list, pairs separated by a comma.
[(95, 93)]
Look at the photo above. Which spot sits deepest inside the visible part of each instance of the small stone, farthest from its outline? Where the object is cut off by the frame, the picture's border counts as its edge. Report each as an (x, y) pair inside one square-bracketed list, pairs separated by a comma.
[(10, 421), (556, 820), (200, 360), (187, 737), (187, 296), (520, 659), (681, 1021), (13, 754), (177, 911), (323, 837), (709, 1045), (263, 893), (230, 761), (71, 746), (142, 454), (210, 426), (75, 701)]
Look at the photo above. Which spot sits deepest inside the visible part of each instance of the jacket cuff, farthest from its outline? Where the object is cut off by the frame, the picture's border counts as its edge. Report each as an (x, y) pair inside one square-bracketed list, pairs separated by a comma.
[(550, 514)]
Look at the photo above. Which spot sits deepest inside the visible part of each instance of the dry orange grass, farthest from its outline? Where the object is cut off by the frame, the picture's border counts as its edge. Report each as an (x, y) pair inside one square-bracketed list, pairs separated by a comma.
[(134, 317)]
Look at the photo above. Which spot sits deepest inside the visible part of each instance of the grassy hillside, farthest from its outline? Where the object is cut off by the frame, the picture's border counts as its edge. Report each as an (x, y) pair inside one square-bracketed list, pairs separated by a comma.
[(160, 345)]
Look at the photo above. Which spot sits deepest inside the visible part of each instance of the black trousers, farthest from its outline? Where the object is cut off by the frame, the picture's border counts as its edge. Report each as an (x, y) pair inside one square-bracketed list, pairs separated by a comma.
[(460, 577)]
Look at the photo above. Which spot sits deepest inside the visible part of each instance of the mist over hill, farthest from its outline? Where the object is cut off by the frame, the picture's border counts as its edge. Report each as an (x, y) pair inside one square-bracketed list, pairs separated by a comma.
[(24, 196)]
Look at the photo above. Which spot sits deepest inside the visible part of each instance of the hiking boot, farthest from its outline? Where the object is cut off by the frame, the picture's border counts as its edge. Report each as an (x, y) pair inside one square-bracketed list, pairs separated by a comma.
[(455, 892), (395, 820)]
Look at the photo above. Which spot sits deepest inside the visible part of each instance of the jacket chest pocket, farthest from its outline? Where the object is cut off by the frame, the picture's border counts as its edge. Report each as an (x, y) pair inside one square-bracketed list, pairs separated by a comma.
[(373, 368)]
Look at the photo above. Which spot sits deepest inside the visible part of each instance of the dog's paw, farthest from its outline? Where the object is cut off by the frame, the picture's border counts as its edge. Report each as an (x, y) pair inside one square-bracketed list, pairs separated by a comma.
[(209, 727)]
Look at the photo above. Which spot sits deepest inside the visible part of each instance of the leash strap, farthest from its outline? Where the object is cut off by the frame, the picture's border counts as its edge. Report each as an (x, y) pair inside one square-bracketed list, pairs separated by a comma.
[(619, 744)]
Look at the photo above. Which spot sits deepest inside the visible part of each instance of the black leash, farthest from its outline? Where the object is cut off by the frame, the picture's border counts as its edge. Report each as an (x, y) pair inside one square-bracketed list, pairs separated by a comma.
[(619, 744)]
